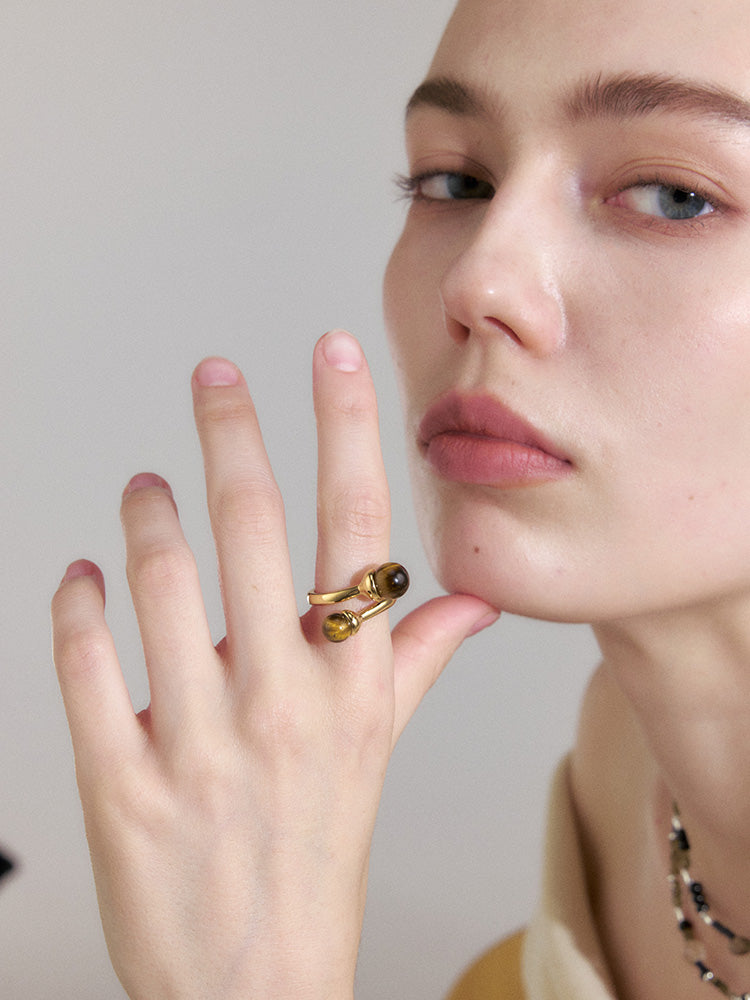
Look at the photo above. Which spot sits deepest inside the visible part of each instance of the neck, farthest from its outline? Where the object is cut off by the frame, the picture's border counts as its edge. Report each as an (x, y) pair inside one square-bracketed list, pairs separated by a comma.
[(686, 679), (665, 719)]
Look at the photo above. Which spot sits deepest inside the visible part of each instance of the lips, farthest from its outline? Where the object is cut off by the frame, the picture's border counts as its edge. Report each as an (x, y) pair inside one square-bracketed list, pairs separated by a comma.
[(476, 439)]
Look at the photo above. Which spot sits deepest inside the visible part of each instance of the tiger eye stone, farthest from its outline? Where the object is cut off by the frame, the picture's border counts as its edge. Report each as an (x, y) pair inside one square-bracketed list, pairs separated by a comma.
[(391, 580), (340, 626)]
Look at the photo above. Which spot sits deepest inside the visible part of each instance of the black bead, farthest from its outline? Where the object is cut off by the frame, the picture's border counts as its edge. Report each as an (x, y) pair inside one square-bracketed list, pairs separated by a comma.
[(682, 840), (6, 865)]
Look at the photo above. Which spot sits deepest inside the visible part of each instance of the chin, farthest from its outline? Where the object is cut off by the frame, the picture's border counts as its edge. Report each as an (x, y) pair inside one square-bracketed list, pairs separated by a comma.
[(517, 562), (507, 575), (510, 594)]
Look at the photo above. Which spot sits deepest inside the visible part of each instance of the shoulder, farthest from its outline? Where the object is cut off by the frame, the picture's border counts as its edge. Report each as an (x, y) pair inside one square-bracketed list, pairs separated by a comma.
[(494, 976)]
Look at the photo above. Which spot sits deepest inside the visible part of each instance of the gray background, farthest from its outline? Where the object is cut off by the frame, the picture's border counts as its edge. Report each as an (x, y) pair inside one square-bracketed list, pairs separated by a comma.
[(214, 176)]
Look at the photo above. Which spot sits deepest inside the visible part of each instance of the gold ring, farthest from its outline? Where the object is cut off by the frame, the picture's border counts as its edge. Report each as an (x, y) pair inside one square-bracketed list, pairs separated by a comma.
[(383, 585)]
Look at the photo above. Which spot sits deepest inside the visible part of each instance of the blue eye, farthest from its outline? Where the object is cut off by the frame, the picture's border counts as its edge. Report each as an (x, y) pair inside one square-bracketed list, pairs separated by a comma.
[(665, 201), (446, 186), (677, 204)]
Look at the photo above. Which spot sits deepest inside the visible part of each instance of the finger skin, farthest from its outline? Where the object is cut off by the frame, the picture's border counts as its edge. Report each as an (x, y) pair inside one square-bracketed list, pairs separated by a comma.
[(181, 663), (246, 512), (353, 499), (97, 703), (425, 640)]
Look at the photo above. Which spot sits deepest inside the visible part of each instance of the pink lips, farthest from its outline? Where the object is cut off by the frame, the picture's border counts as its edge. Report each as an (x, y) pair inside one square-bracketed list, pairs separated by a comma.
[(476, 439)]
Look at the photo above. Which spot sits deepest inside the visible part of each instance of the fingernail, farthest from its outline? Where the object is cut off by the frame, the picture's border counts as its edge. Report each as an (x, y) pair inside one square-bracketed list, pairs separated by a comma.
[(79, 568), (484, 622), (215, 372), (144, 480), (342, 351)]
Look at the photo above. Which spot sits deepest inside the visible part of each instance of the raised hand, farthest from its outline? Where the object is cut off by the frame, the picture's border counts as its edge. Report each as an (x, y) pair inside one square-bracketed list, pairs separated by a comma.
[(230, 821)]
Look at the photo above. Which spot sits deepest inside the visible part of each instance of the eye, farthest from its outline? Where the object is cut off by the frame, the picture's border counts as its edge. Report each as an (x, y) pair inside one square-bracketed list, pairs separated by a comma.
[(445, 186), (664, 201)]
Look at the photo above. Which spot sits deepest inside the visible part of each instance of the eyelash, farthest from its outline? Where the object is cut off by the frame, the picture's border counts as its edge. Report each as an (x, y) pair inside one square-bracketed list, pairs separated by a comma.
[(410, 185)]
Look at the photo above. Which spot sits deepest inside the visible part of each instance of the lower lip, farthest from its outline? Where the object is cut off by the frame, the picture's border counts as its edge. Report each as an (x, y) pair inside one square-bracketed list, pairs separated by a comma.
[(470, 458)]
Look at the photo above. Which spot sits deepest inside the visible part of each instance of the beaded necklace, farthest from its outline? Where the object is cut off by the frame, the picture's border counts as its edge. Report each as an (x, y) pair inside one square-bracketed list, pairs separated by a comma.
[(679, 877)]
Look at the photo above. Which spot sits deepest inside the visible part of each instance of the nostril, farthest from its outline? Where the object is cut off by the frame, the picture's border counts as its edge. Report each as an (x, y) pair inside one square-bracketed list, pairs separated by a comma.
[(456, 330), (501, 327)]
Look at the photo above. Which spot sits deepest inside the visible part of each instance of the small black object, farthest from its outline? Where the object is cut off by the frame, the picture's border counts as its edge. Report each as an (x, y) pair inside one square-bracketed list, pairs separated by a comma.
[(6, 865)]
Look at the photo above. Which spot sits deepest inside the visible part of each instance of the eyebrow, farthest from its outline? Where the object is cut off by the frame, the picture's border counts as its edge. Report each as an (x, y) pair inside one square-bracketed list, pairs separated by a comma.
[(621, 96), (448, 94), (633, 96)]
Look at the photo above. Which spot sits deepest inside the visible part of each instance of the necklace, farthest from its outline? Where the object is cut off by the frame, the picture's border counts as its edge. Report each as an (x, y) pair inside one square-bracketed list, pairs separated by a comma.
[(679, 878)]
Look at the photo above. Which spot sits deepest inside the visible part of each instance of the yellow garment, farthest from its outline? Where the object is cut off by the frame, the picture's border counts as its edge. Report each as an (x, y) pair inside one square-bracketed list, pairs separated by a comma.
[(496, 975), (560, 954)]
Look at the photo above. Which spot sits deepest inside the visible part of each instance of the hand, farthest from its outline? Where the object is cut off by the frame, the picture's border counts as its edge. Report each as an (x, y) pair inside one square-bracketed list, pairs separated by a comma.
[(230, 821)]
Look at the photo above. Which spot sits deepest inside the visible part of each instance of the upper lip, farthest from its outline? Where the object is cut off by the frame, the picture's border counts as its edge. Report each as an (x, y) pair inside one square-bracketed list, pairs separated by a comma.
[(482, 416)]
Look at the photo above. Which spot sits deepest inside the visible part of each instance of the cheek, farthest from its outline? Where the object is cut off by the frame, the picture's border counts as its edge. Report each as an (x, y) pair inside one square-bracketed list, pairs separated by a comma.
[(412, 309), (394, 300), (659, 350), (407, 285)]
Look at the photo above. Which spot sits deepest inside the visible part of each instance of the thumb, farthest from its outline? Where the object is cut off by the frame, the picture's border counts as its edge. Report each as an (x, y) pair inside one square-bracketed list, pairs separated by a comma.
[(425, 640)]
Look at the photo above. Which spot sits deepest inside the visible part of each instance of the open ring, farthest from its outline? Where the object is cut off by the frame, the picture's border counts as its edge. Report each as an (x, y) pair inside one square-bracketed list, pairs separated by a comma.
[(383, 585)]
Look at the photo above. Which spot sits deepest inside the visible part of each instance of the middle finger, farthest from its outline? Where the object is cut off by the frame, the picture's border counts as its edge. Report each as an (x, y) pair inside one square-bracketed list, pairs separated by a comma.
[(353, 501), (246, 511)]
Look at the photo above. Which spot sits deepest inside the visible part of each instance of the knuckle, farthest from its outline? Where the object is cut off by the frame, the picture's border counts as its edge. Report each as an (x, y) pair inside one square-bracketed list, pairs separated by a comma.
[(247, 509), (209, 770), (355, 407), (223, 411), (162, 568), (359, 513), (285, 726), (365, 718), (140, 800), (281, 725), (81, 650)]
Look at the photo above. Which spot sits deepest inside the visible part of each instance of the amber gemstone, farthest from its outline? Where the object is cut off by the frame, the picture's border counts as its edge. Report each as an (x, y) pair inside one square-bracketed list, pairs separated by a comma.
[(340, 626), (739, 945), (391, 580)]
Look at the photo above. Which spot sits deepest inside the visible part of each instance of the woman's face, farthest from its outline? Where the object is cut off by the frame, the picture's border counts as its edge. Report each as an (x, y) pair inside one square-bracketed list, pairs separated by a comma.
[(569, 304)]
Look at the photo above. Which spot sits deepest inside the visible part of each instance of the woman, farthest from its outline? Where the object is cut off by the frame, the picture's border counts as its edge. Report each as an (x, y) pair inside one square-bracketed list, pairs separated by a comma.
[(569, 314)]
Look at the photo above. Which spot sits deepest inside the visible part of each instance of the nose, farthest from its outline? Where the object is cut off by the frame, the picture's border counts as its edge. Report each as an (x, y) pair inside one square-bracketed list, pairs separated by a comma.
[(506, 278)]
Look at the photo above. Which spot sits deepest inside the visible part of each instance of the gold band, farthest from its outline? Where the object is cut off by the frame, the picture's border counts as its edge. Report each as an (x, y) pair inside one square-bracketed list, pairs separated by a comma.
[(343, 624), (387, 582), (383, 585)]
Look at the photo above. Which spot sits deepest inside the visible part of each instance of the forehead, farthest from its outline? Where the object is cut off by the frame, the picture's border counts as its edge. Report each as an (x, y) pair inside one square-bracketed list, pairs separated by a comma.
[(541, 44)]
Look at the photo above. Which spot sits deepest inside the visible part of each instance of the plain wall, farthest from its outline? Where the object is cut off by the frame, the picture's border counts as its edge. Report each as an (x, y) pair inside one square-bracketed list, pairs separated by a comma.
[(187, 177)]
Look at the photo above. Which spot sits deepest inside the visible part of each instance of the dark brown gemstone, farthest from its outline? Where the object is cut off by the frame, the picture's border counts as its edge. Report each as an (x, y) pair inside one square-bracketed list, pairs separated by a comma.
[(391, 581), (739, 945)]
